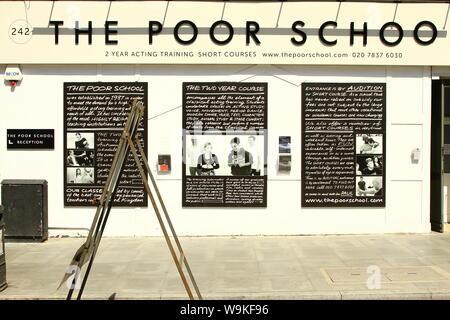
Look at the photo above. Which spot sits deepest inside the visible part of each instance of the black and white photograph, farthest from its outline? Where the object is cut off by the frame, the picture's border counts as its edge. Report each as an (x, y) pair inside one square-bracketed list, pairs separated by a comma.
[(80, 140), (369, 165), (80, 158), (284, 164), (164, 164), (369, 186), (224, 155), (369, 144), (284, 144), (82, 175)]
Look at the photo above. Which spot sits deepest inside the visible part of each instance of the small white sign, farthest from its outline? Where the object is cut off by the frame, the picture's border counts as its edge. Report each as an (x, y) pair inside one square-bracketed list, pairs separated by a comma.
[(13, 73), (20, 31)]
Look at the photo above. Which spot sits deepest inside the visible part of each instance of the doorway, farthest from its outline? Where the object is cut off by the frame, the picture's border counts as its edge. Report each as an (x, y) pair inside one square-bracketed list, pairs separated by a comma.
[(440, 156)]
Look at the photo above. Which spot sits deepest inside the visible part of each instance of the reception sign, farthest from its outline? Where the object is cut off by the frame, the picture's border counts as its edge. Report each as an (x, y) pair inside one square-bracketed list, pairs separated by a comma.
[(30, 138), (202, 32)]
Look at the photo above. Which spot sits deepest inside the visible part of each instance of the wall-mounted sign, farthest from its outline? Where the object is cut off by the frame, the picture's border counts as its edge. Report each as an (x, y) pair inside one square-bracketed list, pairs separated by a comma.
[(343, 147), (225, 143), (164, 164), (284, 144), (94, 118), (292, 32), (30, 138), (284, 163), (13, 74)]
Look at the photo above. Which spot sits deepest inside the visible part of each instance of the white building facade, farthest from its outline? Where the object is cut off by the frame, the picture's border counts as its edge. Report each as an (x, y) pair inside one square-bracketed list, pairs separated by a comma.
[(407, 69)]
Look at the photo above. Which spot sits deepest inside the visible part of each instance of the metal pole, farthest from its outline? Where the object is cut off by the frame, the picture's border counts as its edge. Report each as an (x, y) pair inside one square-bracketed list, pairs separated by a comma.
[(169, 221), (88, 250), (122, 152), (158, 215)]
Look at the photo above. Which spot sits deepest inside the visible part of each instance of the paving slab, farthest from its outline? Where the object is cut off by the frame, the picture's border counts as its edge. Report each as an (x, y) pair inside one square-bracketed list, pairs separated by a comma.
[(414, 274), (357, 253), (365, 262), (291, 283), (274, 254), (229, 267), (280, 267), (349, 275)]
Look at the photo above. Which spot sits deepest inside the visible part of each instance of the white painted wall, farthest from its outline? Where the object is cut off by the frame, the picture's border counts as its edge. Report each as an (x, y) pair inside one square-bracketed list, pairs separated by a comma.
[(38, 103)]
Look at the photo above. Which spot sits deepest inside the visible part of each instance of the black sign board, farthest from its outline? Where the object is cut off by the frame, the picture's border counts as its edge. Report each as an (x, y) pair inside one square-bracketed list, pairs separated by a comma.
[(30, 138), (343, 144), (225, 144), (94, 118)]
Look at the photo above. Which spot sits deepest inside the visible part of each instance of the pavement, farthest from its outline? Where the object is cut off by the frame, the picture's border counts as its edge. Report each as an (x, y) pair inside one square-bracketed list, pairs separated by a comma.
[(338, 267)]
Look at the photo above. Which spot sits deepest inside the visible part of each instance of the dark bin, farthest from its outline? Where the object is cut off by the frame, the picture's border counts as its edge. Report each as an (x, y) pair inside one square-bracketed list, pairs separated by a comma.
[(3, 284), (25, 209)]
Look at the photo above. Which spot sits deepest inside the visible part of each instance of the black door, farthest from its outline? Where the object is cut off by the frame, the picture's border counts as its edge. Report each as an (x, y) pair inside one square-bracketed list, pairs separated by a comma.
[(440, 152)]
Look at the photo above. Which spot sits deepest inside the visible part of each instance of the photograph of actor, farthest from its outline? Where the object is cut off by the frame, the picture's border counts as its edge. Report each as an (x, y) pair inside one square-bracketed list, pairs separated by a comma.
[(377, 186), (368, 165), (253, 149), (80, 158), (358, 172), (370, 168), (80, 175), (192, 157), (361, 186), (368, 144), (239, 160), (207, 161), (369, 186), (72, 159), (81, 142), (376, 162), (88, 175)]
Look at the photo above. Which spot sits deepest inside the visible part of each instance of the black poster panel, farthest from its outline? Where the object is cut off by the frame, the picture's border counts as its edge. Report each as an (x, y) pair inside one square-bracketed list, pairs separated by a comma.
[(224, 144), (343, 144), (30, 138), (94, 117)]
